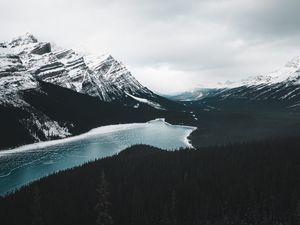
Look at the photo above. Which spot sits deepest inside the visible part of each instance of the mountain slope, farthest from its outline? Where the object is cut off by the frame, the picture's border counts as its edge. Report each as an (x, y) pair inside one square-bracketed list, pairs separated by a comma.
[(279, 89), (50, 112), (100, 76), (50, 93), (250, 183)]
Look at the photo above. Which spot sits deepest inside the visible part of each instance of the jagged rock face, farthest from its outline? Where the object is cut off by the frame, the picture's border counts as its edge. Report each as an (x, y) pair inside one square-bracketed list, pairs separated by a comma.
[(102, 76), (113, 79), (42, 49), (13, 78), (23, 40), (25, 62), (10, 63)]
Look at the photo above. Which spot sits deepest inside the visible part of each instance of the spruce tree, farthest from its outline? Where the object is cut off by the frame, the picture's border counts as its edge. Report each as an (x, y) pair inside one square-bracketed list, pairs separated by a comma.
[(103, 203), (298, 213), (36, 208), (165, 219), (173, 213), (169, 216)]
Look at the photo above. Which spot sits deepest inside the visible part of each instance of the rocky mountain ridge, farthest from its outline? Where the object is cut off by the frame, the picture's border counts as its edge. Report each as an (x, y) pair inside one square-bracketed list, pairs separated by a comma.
[(101, 76), (33, 72), (280, 87)]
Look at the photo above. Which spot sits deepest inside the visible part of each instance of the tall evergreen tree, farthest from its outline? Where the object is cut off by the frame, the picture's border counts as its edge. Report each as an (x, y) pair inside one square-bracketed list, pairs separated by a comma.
[(36, 208), (298, 213), (165, 219), (137, 206), (103, 203), (169, 212), (173, 212)]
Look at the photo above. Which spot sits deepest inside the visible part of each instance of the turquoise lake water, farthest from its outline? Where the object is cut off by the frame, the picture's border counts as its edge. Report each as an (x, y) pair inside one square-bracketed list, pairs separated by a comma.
[(25, 164)]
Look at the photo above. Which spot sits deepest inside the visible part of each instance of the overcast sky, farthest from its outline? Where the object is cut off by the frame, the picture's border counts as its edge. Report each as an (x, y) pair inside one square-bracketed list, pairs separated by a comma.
[(169, 45)]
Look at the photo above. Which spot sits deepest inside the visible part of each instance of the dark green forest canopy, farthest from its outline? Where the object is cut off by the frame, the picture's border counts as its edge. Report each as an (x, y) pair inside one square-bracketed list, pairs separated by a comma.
[(250, 183)]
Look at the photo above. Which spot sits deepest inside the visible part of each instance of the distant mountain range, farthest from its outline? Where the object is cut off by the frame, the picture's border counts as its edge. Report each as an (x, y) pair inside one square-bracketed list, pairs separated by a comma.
[(32, 73), (280, 88)]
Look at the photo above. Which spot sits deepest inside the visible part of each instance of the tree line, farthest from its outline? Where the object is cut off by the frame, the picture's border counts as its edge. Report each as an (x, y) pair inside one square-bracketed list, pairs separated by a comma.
[(251, 183)]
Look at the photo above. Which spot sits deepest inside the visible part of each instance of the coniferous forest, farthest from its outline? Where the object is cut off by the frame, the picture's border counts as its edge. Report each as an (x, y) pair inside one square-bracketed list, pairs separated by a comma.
[(183, 112), (247, 183)]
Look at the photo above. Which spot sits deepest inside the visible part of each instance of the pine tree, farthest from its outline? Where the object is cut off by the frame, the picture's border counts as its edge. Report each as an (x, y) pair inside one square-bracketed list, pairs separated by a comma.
[(36, 208), (136, 206), (165, 220), (298, 213), (169, 216), (103, 204), (173, 213)]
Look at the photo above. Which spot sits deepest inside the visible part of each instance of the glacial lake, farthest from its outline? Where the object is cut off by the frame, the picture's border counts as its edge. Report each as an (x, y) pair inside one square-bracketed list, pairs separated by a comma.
[(28, 163)]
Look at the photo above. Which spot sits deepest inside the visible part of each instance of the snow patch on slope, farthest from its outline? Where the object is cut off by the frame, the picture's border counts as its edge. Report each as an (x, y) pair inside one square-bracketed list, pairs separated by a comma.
[(146, 101)]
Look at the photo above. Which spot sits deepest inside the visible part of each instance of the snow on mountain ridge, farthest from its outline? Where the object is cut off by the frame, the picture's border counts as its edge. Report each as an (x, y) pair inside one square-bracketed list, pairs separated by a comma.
[(280, 85), (290, 72), (294, 63), (23, 40), (103, 76), (25, 61)]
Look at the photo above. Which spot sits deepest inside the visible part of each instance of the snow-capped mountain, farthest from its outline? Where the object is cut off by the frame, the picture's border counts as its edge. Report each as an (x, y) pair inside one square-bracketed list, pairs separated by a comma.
[(101, 76), (290, 72), (280, 87), (47, 92), (14, 78)]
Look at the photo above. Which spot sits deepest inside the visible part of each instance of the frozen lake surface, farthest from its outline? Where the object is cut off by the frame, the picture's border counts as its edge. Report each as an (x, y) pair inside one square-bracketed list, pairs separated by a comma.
[(27, 163)]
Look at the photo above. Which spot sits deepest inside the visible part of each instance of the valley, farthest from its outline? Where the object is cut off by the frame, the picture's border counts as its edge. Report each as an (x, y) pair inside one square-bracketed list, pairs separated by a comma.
[(69, 120), (28, 163)]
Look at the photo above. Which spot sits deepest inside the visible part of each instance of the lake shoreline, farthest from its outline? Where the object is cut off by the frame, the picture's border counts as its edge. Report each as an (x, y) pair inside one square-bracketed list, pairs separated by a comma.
[(28, 163), (95, 131)]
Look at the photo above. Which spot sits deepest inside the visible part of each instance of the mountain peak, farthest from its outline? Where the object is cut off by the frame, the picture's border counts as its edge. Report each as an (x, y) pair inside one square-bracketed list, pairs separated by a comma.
[(294, 63), (101, 76), (25, 39), (287, 73)]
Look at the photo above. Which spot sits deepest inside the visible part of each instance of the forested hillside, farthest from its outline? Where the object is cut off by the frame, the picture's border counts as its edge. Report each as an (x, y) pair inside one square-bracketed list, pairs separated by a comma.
[(250, 183)]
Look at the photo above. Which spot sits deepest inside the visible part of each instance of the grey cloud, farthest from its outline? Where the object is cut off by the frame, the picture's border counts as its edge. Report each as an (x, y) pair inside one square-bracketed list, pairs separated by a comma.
[(195, 41), (268, 19)]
